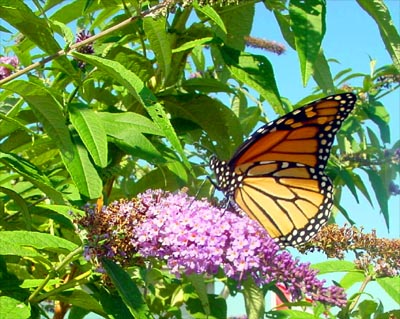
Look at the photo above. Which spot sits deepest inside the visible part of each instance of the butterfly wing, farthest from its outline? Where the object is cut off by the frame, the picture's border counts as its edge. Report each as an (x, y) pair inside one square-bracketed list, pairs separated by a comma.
[(278, 172)]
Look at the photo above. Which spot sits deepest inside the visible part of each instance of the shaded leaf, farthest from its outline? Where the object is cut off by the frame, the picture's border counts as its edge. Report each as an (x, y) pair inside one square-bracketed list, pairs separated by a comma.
[(81, 299), (127, 289), (255, 71), (236, 32), (308, 25), (381, 193)]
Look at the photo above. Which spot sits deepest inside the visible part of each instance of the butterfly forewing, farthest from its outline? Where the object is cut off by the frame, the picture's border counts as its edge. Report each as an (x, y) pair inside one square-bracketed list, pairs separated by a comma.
[(277, 176)]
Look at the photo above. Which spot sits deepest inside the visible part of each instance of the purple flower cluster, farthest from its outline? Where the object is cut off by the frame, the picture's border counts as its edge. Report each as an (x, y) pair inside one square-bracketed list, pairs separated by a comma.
[(194, 237), (7, 65), (86, 49)]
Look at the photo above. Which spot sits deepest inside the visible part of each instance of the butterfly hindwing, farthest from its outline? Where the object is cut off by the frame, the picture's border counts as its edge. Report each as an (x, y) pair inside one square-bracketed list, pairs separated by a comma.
[(277, 175)]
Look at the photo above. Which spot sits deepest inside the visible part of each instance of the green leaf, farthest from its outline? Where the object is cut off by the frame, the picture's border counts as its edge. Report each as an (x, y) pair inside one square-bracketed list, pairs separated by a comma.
[(81, 299), (113, 304), (160, 44), (322, 74), (82, 171), (352, 278), (137, 88), (121, 74), (136, 144), (255, 71), (380, 116), (391, 286), (293, 314), (25, 243), (47, 109), (91, 132), (366, 308), (67, 211), (37, 30), (162, 177), (253, 299), (381, 193), (361, 186), (347, 177), (129, 120), (198, 282), (31, 173), (205, 85), (238, 21), (127, 289), (213, 15), (308, 25), (224, 129), (373, 138), (11, 308), (19, 200), (390, 36), (333, 266), (191, 44), (161, 118), (132, 60)]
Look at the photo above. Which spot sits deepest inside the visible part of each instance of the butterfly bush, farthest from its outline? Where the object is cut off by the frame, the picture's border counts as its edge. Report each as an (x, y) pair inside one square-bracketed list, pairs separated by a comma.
[(192, 236)]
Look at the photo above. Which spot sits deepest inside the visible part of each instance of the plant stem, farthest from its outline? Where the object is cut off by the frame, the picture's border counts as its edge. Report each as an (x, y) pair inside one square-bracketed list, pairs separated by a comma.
[(67, 259), (362, 288)]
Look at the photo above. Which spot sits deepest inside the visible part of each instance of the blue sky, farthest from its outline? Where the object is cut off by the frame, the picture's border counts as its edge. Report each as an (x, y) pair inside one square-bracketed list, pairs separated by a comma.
[(352, 38)]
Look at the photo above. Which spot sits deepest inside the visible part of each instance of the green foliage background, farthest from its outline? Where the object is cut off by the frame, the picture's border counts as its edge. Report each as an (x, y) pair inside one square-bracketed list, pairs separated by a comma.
[(168, 85)]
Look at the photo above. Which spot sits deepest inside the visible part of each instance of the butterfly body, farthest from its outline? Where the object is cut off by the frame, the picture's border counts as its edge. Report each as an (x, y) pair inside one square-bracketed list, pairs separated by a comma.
[(277, 175)]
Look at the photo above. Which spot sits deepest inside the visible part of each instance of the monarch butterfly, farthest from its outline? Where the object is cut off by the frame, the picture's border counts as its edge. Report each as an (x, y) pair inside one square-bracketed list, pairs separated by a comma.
[(277, 175)]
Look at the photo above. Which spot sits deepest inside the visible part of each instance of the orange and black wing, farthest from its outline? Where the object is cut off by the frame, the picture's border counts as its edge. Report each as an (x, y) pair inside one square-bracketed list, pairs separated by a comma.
[(277, 175)]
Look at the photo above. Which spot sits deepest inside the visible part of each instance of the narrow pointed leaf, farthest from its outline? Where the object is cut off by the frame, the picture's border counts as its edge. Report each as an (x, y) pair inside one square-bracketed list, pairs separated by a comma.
[(127, 289), (381, 193), (255, 71), (31, 173), (129, 120), (47, 109), (91, 132), (308, 25), (82, 171), (119, 73), (213, 15), (390, 35), (322, 74), (160, 44), (20, 243), (36, 29)]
